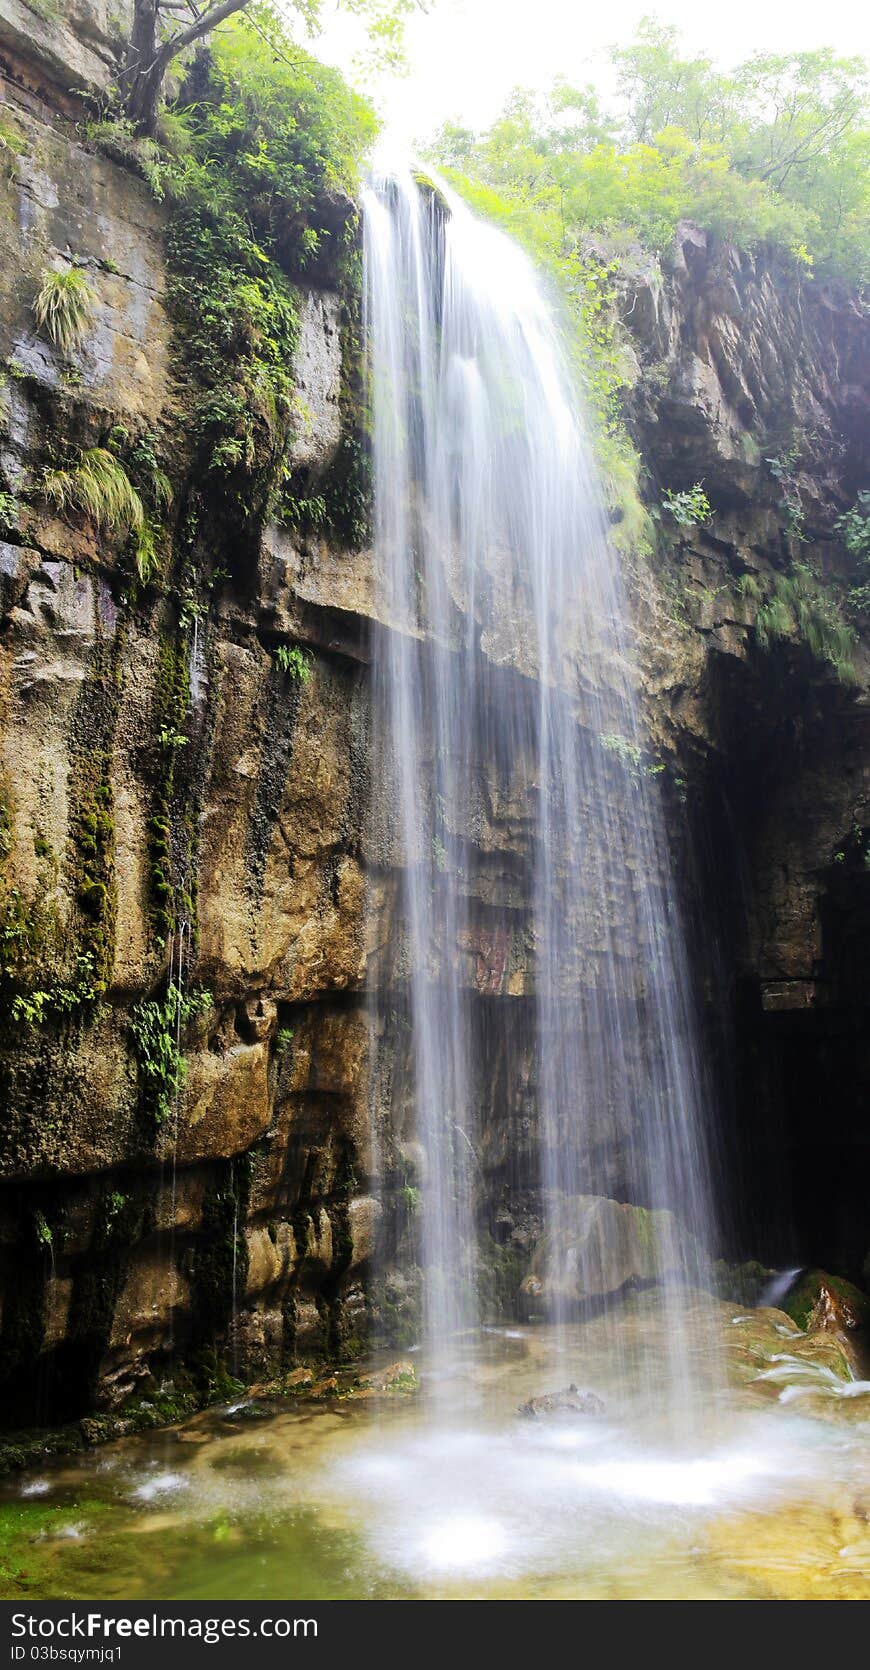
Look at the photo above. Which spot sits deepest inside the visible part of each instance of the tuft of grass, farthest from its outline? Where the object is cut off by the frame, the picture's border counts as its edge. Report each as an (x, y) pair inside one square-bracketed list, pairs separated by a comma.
[(99, 487), (63, 306), (748, 586), (800, 605)]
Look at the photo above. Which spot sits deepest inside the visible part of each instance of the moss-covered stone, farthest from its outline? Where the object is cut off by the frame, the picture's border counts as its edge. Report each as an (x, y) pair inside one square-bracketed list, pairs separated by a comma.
[(802, 1300)]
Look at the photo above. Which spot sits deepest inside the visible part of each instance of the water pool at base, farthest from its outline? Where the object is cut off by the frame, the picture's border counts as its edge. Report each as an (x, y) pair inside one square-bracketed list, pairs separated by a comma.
[(450, 1492)]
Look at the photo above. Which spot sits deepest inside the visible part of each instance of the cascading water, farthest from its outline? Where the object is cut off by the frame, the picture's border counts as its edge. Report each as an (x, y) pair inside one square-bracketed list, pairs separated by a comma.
[(510, 767)]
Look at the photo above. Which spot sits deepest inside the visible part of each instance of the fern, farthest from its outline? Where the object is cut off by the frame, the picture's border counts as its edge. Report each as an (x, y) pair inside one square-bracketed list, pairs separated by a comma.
[(63, 306), (293, 661)]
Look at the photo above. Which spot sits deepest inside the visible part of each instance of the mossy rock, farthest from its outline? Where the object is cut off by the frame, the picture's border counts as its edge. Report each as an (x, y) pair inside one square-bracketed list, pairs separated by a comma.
[(743, 1284), (801, 1301)]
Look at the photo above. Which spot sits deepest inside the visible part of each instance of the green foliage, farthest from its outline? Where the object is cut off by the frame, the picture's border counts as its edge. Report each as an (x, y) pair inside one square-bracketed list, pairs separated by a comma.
[(283, 1040), (12, 144), (63, 306), (411, 1198), (171, 738), (783, 468), (293, 661), (689, 508), (854, 528), (748, 586), (777, 151), (44, 1232), (628, 753), (257, 164), (260, 146), (99, 487), (800, 605), (172, 701), (9, 513), (157, 1026), (34, 1008)]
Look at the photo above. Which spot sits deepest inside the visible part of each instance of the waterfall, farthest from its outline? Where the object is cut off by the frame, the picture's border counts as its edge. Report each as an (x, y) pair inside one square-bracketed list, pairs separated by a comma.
[(513, 794)]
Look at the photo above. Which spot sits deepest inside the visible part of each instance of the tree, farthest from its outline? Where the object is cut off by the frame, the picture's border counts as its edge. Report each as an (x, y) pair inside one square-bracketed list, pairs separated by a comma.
[(800, 106), (164, 28), (775, 150), (662, 89), (154, 42)]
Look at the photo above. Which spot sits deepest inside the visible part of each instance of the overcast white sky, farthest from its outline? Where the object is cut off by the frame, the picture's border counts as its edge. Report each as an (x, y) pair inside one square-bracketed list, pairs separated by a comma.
[(467, 55)]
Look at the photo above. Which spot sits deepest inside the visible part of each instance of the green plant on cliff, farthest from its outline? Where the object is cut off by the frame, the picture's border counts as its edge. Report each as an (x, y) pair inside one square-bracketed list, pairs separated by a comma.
[(294, 661), (854, 528), (63, 306), (690, 508), (35, 1007), (157, 1026), (9, 513), (800, 605), (265, 146), (12, 144), (98, 486), (257, 163)]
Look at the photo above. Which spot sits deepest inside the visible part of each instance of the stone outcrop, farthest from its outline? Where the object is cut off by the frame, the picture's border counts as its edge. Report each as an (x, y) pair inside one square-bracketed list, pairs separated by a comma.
[(248, 1212), (603, 1247), (64, 48)]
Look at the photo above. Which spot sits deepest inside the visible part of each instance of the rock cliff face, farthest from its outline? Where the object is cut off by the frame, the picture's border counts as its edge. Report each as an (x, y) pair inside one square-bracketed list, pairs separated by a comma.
[(152, 739), (754, 382)]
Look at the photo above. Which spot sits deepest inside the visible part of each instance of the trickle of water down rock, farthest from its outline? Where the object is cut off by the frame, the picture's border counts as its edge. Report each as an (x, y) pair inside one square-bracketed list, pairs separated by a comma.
[(505, 689)]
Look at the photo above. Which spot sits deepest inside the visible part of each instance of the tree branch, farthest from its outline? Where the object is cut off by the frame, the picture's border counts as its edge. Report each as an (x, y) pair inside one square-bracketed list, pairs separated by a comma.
[(203, 25)]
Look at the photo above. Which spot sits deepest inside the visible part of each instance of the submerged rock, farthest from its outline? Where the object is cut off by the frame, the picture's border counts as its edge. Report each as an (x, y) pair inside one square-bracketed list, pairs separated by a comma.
[(604, 1247), (570, 1402)]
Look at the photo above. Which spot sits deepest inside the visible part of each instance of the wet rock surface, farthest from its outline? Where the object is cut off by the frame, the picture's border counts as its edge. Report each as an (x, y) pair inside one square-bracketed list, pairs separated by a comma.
[(567, 1403), (603, 1247)]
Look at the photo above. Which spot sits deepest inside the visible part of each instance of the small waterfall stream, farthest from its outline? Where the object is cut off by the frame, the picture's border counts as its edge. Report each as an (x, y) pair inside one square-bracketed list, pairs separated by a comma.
[(510, 759)]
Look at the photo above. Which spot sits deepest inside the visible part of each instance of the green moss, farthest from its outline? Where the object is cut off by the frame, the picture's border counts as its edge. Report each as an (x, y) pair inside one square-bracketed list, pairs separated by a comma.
[(169, 719), (219, 1264), (741, 1283), (93, 846), (800, 1301), (500, 1271), (120, 1222)]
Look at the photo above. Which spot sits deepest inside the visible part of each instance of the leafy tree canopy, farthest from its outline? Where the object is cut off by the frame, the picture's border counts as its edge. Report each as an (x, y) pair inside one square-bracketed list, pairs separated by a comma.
[(163, 29), (776, 150)]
